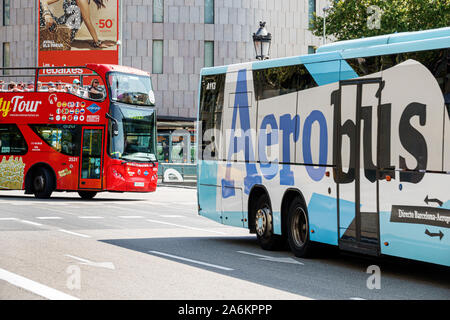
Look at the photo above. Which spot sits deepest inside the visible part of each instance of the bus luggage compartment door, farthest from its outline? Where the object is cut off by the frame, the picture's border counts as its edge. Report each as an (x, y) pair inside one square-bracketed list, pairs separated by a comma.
[(91, 158), (357, 162), (232, 214)]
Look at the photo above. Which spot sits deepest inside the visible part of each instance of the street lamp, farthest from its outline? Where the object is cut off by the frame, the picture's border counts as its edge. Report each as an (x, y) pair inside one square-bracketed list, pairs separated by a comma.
[(262, 41), (325, 10)]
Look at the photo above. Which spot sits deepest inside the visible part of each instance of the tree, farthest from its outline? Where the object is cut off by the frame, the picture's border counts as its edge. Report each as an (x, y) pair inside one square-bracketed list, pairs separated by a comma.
[(352, 19)]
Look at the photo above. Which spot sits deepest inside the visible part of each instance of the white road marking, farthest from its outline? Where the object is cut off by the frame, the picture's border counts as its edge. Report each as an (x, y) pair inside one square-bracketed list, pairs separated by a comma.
[(186, 227), (356, 298), (106, 265), (171, 216), (273, 259), (74, 233), (34, 286), (31, 222), (131, 217), (49, 218), (20, 203), (58, 211), (190, 260), (90, 217)]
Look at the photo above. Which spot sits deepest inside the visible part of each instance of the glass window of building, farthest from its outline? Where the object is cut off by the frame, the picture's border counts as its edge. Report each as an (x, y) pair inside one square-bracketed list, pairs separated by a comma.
[(157, 63), (311, 11), (209, 11), (209, 54), (158, 10), (6, 12), (6, 57)]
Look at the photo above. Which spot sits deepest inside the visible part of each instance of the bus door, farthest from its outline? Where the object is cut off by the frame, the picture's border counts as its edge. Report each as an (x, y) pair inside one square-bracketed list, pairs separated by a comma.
[(91, 158), (357, 145)]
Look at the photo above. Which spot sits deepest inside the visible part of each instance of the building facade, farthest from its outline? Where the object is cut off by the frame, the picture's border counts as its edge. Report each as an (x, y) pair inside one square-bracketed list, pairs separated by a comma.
[(174, 39)]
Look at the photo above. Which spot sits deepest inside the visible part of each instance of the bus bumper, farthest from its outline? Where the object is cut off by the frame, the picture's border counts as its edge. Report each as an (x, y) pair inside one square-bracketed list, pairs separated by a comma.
[(131, 177)]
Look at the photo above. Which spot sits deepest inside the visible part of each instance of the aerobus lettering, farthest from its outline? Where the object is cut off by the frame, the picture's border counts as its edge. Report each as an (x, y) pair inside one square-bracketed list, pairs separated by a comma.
[(315, 116), (242, 142), (269, 168), (289, 126), (412, 140)]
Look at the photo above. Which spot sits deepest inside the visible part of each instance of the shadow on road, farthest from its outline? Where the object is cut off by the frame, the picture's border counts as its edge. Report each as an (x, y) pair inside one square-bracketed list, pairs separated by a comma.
[(330, 275)]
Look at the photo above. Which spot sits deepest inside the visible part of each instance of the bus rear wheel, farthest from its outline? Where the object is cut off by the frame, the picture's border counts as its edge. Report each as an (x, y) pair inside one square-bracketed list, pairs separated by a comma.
[(43, 184), (298, 230), (263, 222), (87, 195)]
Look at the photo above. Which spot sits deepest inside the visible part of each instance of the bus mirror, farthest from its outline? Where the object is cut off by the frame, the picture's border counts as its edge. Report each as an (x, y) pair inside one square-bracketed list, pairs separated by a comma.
[(151, 97), (114, 125), (115, 128)]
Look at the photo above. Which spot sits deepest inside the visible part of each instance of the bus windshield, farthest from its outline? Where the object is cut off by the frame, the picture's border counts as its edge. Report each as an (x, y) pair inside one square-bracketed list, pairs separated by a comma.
[(131, 89), (136, 136)]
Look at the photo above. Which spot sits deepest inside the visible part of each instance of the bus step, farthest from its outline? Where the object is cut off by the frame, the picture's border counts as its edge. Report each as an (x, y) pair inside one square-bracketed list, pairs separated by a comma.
[(359, 247)]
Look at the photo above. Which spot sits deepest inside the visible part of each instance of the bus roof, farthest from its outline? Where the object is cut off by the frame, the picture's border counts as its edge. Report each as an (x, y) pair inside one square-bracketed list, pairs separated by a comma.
[(379, 45), (386, 39), (104, 68)]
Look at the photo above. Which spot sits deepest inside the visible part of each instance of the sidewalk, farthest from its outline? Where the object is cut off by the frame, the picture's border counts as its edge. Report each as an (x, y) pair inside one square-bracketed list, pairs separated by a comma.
[(191, 184)]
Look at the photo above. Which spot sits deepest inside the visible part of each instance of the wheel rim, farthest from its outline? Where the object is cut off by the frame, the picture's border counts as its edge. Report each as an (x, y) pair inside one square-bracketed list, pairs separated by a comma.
[(39, 183), (261, 221), (299, 227)]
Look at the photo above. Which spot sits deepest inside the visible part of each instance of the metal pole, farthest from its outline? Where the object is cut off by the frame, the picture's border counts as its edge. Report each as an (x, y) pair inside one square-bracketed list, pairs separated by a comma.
[(120, 17), (324, 25)]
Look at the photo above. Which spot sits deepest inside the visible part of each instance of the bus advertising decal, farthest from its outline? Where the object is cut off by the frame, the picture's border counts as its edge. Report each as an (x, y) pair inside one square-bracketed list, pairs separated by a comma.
[(64, 172), (93, 108), (93, 118), (17, 105), (415, 140), (53, 98), (437, 217), (11, 173)]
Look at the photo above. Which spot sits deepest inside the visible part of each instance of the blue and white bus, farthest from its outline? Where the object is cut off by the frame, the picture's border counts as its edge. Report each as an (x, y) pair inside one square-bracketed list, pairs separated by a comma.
[(348, 147)]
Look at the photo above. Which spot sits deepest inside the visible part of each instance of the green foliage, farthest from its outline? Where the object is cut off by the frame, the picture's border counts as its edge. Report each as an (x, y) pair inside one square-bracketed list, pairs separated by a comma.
[(348, 19)]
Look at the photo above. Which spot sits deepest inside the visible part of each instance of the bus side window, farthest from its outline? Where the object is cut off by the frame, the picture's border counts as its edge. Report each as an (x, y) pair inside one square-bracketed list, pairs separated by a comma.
[(273, 82), (366, 65), (62, 138), (11, 140), (211, 108)]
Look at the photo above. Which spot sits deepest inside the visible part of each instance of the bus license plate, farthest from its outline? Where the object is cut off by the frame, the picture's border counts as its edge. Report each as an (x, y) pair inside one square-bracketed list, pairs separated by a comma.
[(138, 184)]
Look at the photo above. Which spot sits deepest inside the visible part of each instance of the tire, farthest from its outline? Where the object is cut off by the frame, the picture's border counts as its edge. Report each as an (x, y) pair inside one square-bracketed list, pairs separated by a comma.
[(87, 195), (43, 183), (298, 230), (263, 221)]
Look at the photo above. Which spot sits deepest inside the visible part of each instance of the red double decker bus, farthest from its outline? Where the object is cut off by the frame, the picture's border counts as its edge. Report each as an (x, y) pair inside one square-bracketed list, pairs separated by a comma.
[(79, 129)]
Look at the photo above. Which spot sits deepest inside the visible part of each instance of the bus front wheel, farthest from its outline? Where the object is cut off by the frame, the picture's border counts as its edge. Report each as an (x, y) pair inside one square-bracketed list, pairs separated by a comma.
[(43, 184), (263, 222), (298, 230), (87, 195)]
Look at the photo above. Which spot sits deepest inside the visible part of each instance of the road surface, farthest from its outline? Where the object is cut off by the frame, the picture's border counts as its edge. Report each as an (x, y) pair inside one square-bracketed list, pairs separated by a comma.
[(155, 246)]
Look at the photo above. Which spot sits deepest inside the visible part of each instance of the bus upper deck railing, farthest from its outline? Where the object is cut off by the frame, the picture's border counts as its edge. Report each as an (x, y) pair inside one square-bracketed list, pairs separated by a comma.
[(31, 82)]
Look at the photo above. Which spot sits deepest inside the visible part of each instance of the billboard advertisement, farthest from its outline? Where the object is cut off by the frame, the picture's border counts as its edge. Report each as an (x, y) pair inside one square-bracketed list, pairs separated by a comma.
[(76, 32)]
